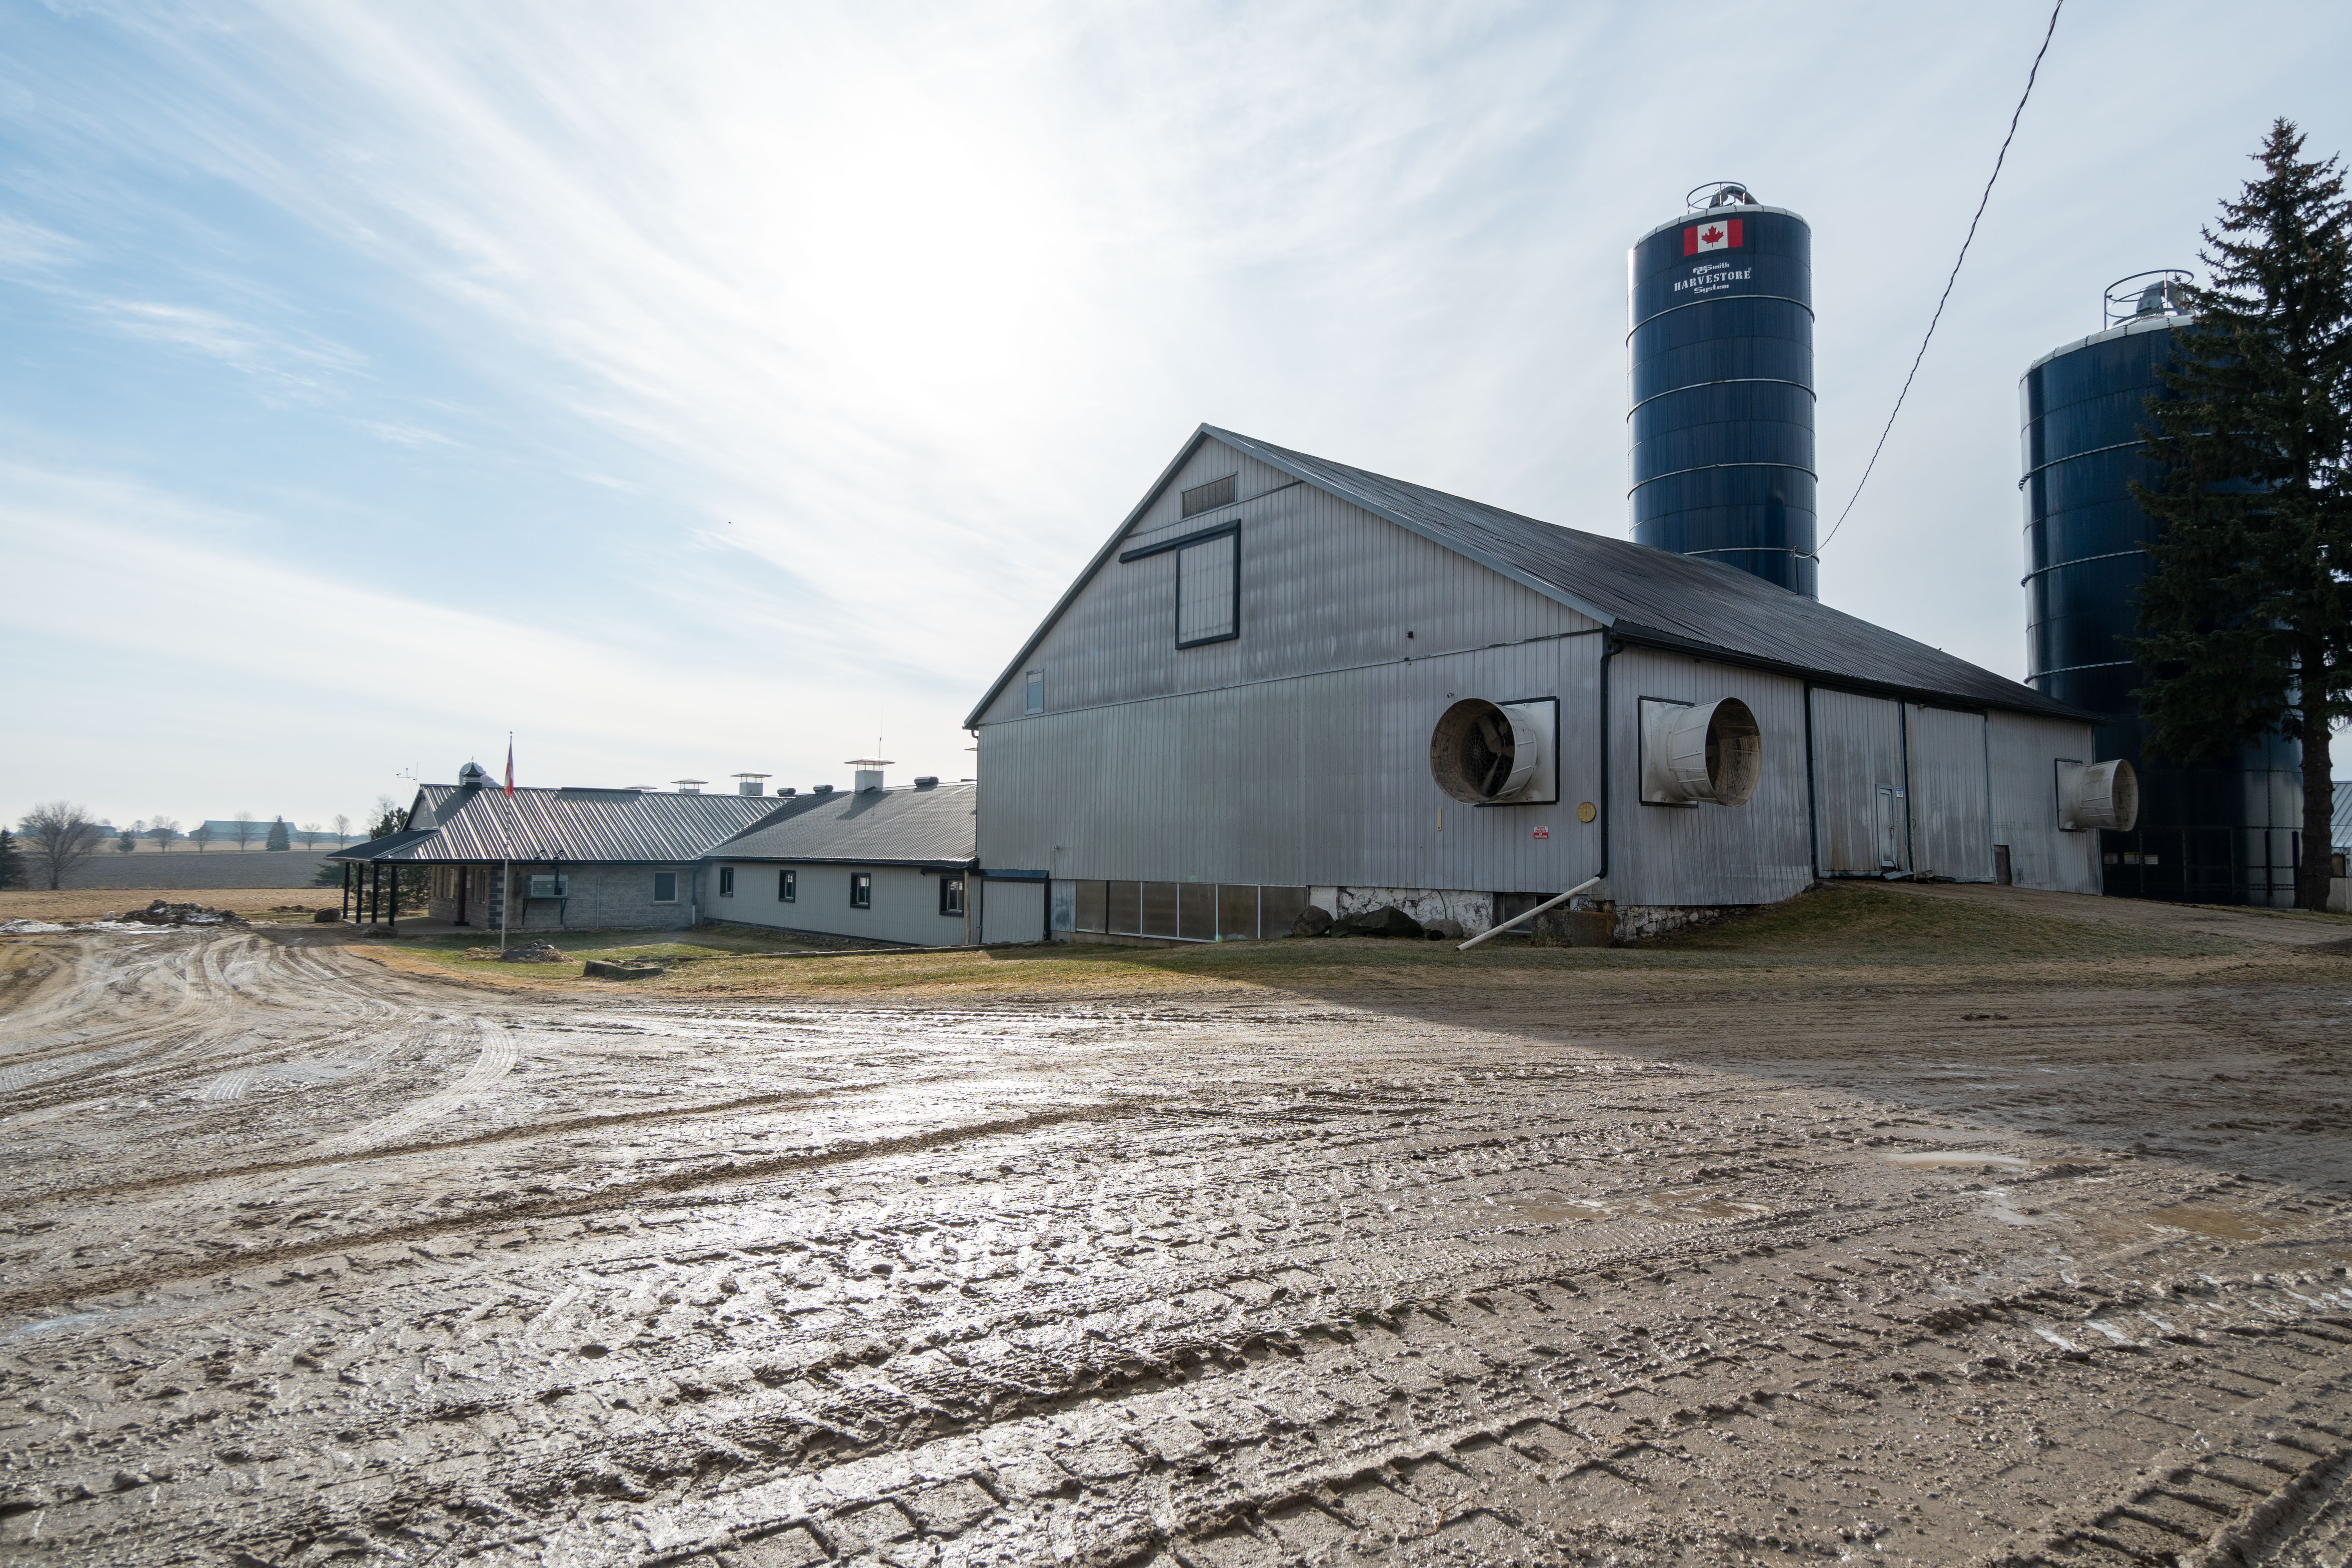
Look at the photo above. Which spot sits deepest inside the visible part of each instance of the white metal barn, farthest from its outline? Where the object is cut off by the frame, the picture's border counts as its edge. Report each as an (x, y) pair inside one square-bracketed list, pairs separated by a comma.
[(1284, 680)]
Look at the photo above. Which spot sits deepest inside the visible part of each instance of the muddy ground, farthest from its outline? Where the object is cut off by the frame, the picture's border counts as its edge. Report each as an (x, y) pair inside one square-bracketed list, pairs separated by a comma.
[(2038, 1256)]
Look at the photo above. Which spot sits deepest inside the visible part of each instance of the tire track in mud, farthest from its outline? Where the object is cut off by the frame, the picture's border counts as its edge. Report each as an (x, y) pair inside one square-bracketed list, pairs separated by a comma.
[(618, 1196)]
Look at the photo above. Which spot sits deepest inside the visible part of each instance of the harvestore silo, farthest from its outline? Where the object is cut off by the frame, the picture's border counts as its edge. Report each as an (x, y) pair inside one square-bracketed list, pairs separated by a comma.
[(2217, 832), (1719, 371)]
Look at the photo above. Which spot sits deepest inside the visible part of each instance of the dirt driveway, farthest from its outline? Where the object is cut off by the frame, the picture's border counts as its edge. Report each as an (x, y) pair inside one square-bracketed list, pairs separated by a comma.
[(1635, 1258)]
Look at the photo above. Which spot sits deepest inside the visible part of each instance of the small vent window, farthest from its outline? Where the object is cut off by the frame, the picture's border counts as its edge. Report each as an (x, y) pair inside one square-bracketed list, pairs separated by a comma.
[(787, 887), (1208, 497), (951, 895), (1208, 591), (861, 889), (1036, 701), (726, 881)]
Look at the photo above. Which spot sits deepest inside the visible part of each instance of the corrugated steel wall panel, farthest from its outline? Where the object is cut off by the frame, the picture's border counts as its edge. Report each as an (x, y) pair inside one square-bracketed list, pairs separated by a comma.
[(1373, 582), (2024, 754), (1951, 804), (1857, 752), (1323, 779), (1708, 854)]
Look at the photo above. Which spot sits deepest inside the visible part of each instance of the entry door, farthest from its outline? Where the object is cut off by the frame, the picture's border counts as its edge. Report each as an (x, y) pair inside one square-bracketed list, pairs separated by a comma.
[(1890, 829)]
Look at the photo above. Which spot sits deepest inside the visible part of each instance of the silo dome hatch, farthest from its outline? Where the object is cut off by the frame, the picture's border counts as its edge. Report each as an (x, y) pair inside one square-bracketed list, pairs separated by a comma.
[(1497, 754)]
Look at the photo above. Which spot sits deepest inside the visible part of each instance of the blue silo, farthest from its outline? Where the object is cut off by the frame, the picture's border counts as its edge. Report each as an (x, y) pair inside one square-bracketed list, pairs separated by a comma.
[(1719, 371), (2217, 832)]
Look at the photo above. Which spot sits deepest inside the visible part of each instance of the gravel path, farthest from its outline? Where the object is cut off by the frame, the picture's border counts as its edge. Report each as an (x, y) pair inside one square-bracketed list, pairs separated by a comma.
[(309, 1260)]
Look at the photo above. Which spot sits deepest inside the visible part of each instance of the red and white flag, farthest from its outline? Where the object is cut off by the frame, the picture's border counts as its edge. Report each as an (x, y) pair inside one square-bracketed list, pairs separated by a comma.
[(1721, 234), (510, 769)]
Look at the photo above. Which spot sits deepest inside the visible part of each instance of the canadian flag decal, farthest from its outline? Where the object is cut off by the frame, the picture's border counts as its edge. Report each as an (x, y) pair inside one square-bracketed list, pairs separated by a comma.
[(1721, 235)]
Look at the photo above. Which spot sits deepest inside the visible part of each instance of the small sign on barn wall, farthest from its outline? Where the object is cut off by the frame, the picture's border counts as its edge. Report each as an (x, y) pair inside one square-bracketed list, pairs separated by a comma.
[(1543, 833)]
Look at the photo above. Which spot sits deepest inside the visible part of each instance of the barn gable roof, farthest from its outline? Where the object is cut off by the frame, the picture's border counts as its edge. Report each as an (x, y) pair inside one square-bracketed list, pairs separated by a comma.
[(578, 827), (1641, 594), (932, 825)]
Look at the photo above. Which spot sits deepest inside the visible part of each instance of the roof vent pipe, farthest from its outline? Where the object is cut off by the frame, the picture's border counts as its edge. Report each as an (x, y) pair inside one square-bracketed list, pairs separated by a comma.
[(750, 783), (689, 787)]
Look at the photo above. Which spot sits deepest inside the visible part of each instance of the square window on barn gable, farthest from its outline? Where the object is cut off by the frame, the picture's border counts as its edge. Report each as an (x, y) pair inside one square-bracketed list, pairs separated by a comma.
[(1208, 582)]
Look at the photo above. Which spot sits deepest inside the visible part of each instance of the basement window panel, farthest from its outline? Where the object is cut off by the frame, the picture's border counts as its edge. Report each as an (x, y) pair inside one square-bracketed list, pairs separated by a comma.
[(726, 881), (788, 887), (1209, 590), (665, 887), (951, 895), (861, 889)]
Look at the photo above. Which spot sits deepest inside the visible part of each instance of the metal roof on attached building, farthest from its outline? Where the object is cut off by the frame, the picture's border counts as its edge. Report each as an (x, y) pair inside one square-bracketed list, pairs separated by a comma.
[(578, 827), (1643, 595), (930, 824)]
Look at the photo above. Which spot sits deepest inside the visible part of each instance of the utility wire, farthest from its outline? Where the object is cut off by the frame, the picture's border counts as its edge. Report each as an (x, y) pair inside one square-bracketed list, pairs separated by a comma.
[(2047, 34)]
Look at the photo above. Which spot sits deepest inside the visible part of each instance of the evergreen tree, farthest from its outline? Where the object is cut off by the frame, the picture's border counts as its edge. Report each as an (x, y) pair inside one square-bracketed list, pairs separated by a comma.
[(12, 864), (277, 839), (2246, 622)]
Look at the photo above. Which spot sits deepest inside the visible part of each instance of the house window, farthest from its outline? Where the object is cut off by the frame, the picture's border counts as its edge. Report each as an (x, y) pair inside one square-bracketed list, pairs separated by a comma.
[(543, 886), (1208, 497), (1036, 703), (665, 887), (788, 887), (861, 889), (726, 881), (1209, 590), (951, 895)]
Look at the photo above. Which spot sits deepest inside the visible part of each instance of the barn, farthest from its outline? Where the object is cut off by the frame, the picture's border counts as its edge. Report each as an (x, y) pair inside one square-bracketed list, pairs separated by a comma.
[(1285, 681)]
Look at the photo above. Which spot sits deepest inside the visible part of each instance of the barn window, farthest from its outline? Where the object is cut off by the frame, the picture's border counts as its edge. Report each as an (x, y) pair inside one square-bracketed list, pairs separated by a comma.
[(726, 881), (951, 895), (1036, 703), (1208, 497), (665, 887), (787, 887), (1209, 590), (861, 889)]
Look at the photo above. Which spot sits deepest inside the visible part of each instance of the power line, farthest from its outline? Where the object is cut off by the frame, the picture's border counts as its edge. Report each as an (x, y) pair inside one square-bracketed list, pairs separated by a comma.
[(2047, 34)]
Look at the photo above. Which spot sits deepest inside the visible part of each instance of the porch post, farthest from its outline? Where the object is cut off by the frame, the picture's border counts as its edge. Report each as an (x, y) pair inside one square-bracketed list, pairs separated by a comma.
[(346, 908)]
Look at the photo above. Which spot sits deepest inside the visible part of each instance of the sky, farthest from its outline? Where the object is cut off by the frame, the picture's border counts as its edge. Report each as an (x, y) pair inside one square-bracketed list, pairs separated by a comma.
[(700, 389)]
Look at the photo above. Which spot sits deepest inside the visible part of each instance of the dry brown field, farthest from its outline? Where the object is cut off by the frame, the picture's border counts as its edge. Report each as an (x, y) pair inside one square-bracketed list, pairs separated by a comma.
[(1908, 1225)]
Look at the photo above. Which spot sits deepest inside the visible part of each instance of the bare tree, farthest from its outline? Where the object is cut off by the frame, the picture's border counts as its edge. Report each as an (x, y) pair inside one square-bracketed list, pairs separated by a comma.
[(200, 835), (162, 830), (58, 836), (311, 834), (342, 830), (242, 826)]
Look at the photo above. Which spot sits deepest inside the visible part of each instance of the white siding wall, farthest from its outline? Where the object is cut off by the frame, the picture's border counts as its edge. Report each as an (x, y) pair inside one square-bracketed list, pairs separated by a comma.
[(1753, 854), (1951, 804), (1858, 753), (2025, 752), (906, 902)]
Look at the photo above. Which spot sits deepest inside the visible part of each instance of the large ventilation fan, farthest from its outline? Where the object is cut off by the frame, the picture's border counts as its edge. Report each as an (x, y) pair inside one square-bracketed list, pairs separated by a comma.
[(1497, 754), (2104, 794), (1693, 751)]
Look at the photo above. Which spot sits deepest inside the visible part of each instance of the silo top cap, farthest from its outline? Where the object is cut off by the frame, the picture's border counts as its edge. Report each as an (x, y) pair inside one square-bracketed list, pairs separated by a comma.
[(1719, 193)]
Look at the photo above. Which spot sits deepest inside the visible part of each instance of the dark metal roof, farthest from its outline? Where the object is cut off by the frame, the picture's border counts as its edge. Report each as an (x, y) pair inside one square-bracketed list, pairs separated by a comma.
[(928, 827), (576, 825), (1641, 594)]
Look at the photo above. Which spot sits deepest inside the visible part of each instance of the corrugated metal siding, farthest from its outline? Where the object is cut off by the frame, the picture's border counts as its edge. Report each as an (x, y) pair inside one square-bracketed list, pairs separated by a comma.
[(1321, 779), (1951, 805), (1324, 586), (1857, 752), (2024, 754), (1706, 854), (577, 826)]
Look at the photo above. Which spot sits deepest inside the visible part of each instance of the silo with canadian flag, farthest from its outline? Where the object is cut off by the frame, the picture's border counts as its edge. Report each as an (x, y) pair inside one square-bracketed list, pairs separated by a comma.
[(1719, 386)]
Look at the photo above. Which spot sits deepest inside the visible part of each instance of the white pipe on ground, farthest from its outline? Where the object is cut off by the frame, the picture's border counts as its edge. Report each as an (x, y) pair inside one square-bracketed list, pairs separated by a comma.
[(1547, 903)]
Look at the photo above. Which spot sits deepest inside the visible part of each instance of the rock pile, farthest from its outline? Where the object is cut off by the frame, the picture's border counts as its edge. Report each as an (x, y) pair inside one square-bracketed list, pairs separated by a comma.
[(160, 913), (535, 953)]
